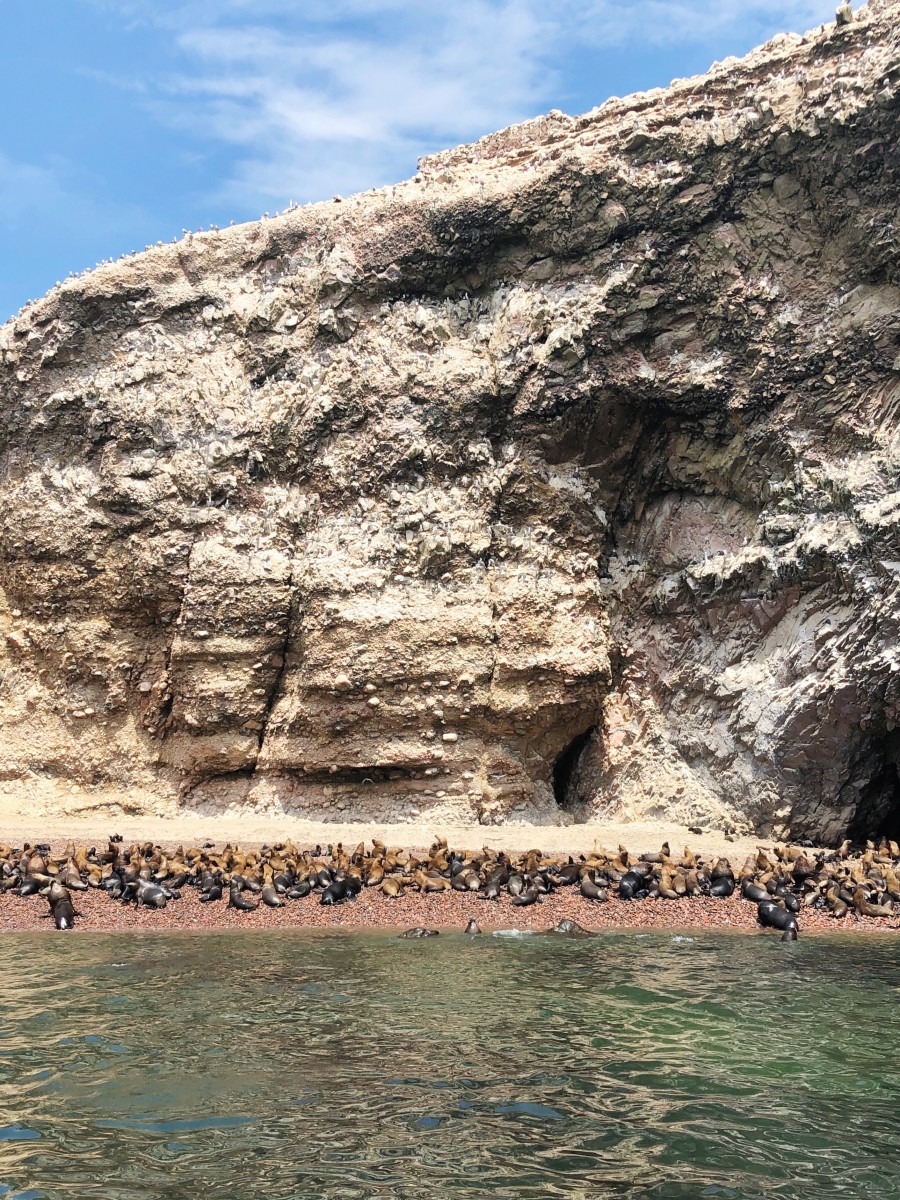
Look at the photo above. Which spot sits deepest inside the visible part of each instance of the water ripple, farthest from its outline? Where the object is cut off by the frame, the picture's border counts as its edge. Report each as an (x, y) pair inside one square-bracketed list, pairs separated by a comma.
[(276, 1064)]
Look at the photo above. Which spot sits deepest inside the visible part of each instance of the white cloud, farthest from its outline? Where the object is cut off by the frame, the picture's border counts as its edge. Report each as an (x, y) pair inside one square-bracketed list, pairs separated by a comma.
[(671, 22), (340, 95)]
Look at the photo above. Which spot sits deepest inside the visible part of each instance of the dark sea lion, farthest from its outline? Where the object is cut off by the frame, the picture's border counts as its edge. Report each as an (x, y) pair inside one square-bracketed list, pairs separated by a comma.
[(630, 885), (789, 935), (214, 892), (270, 896), (592, 891), (490, 891), (419, 932), (236, 900), (569, 928), (64, 913), (472, 927), (722, 886), (300, 889), (775, 917), (752, 891), (336, 893), (529, 896)]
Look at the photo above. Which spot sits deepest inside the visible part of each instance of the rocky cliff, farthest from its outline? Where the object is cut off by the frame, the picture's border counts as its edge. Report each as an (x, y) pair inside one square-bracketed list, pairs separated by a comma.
[(560, 481)]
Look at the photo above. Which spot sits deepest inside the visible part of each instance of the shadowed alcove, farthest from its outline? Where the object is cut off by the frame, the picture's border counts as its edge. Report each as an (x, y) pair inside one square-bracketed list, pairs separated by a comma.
[(877, 812), (565, 772)]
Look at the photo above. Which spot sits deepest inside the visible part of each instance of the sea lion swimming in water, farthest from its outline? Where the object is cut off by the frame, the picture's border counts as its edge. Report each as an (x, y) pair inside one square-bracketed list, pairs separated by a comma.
[(419, 931), (569, 928), (472, 927)]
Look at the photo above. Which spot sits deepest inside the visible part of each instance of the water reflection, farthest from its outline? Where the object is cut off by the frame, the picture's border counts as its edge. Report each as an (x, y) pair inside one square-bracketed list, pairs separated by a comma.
[(286, 1065)]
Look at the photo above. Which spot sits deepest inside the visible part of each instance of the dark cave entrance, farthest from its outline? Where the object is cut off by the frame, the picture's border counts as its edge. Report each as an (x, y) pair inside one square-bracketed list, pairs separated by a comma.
[(877, 812), (565, 771)]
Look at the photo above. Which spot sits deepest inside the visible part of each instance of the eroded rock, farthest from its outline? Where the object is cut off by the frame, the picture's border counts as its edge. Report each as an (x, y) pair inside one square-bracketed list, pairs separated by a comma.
[(558, 482)]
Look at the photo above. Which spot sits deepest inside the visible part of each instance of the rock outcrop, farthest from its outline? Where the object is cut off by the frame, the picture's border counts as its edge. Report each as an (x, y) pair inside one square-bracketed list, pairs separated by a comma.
[(560, 481)]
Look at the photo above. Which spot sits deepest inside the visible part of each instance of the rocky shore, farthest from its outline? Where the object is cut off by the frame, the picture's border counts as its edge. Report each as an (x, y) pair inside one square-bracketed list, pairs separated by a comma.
[(114, 887), (453, 911)]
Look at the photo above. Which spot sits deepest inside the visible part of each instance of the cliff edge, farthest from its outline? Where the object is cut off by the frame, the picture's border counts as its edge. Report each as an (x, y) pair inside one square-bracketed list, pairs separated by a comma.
[(561, 481)]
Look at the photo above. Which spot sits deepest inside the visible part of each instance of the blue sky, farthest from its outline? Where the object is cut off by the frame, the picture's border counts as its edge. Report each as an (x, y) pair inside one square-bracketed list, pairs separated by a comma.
[(126, 121)]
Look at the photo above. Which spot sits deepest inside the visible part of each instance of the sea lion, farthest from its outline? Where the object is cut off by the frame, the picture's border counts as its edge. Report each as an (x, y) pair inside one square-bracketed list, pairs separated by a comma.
[(236, 900), (569, 928), (773, 915), (866, 909), (592, 891), (419, 932), (64, 913), (529, 895), (270, 896), (336, 893), (790, 935), (213, 892), (473, 927), (631, 885), (149, 895), (752, 891)]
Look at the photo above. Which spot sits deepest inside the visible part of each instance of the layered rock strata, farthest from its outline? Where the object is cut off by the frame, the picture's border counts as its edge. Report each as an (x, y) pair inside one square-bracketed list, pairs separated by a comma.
[(558, 482)]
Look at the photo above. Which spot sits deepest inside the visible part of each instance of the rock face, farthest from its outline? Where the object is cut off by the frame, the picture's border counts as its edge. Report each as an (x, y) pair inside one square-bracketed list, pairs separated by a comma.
[(561, 481)]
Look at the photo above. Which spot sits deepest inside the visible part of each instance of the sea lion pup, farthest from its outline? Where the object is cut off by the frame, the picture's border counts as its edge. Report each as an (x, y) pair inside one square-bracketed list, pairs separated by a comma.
[(473, 927), (529, 895), (569, 928), (236, 900), (775, 917), (419, 932)]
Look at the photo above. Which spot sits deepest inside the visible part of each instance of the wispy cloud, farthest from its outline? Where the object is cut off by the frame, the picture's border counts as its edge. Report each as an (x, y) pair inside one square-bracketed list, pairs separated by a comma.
[(321, 97), (679, 22), (351, 99)]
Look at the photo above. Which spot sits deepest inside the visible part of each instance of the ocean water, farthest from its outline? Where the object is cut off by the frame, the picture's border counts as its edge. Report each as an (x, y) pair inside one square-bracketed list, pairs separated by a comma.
[(288, 1065)]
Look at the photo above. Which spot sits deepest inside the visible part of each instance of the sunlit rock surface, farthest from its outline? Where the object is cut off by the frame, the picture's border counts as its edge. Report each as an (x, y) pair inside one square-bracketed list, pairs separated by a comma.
[(560, 481)]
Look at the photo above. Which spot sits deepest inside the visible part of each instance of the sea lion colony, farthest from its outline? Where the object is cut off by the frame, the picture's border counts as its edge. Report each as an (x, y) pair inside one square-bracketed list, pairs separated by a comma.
[(781, 882)]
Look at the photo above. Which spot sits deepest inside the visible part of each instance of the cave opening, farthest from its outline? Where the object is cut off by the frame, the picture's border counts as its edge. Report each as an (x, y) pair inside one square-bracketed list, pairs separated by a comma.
[(877, 812), (565, 770)]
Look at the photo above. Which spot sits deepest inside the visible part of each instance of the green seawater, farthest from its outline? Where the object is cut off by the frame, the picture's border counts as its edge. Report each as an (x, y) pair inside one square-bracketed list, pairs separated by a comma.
[(288, 1065)]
